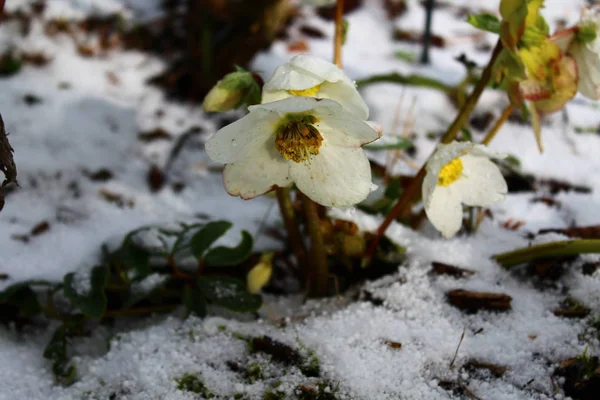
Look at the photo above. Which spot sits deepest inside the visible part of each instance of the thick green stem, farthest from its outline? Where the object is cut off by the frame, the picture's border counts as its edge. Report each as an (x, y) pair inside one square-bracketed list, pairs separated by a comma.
[(291, 225), (555, 249), (415, 185), (318, 271)]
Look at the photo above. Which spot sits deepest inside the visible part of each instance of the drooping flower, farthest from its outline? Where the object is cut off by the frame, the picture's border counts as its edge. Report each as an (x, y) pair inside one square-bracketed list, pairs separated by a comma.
[(314, 143), (460, 173), (532, 68), (310, 76), (234, 90), (583, 44)]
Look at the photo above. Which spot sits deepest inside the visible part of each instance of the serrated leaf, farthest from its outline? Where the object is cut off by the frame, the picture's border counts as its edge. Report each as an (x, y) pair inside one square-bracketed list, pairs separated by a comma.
[(401, 143), (91, 300), (227, 256), (229, 293), (194, 300), (206, 236), (485, 22)]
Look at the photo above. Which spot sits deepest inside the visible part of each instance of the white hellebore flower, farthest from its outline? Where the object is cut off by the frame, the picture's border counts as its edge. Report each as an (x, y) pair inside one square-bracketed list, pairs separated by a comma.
[(310, 76), (460, 173), (583, 44), (311, 142)]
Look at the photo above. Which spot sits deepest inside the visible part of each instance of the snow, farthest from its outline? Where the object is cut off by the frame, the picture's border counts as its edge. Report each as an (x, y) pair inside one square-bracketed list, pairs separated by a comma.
[(94, 123)]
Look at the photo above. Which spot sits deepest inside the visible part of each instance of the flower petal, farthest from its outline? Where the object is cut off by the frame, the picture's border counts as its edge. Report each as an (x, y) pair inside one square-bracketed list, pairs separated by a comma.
[(444, 153), (345, 130), (588, 64), (234, 141), (303, 72), (299, 104), (482, 184), (336, 177), (257, 173), (347, 95), (444, 210)]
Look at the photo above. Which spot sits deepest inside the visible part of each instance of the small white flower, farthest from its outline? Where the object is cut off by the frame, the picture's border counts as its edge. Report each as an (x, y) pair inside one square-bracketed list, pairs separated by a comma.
[(306, 75), (585, 49), (311, 142), (460, 173)]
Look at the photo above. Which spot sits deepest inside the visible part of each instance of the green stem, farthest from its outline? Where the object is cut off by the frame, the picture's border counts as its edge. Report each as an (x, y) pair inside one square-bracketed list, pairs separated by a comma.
[(414, 187), (319, 273), (555, 249), (291, 225)]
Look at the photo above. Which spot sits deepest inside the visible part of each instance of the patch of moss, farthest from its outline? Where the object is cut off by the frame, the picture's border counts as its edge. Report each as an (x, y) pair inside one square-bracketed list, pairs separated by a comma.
[(270, 394), (254, 372), (193, 383), (311, 366)]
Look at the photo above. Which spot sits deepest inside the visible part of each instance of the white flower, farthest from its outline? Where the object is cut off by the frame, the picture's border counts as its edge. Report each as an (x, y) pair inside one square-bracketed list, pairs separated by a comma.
[(583, 44), (306, 75), (311, 142), (460, 173)]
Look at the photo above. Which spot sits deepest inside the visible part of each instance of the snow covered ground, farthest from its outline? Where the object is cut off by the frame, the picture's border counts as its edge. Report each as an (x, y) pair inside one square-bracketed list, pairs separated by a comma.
[(78, 115)]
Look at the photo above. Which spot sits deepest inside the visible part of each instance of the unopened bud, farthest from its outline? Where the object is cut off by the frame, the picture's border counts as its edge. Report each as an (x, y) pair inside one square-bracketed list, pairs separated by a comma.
[(261, 273)]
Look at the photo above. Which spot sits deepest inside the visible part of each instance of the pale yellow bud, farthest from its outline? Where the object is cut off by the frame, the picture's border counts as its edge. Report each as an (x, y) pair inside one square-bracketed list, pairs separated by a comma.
[(221, 99), (261, 273)]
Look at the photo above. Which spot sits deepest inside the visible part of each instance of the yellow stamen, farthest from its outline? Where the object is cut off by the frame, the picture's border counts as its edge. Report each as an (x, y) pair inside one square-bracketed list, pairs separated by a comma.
[(450, 172), (310, 92), (297, 139)]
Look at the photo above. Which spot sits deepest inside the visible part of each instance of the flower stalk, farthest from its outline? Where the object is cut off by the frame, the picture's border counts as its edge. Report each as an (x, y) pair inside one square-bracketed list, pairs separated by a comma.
[(339, 33), (291, 224), (563, 248), (318, 272), (492, 133), (415, 185)]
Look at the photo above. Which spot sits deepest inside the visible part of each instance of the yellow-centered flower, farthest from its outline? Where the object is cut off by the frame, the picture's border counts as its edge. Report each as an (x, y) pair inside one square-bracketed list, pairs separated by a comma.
[(310, 76), (457, 174), (314, 143)]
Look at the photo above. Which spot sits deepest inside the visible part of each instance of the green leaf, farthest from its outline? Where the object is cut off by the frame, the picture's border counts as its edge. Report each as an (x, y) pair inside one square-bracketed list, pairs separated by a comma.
[(91, 302), (406, 56), (194, 300), (467, 134), (393, 190), (206, 236), (56, 351), (227, 256), (7, 293), (485, 22), (22, 297), (401, 143), (229, 293), (587, 34), (135, 257), (411, 80), (345, 28)]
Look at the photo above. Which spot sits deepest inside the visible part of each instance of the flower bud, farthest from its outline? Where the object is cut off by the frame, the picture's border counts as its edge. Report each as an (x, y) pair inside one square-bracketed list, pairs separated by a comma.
[(234, 90), (261, 273)]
